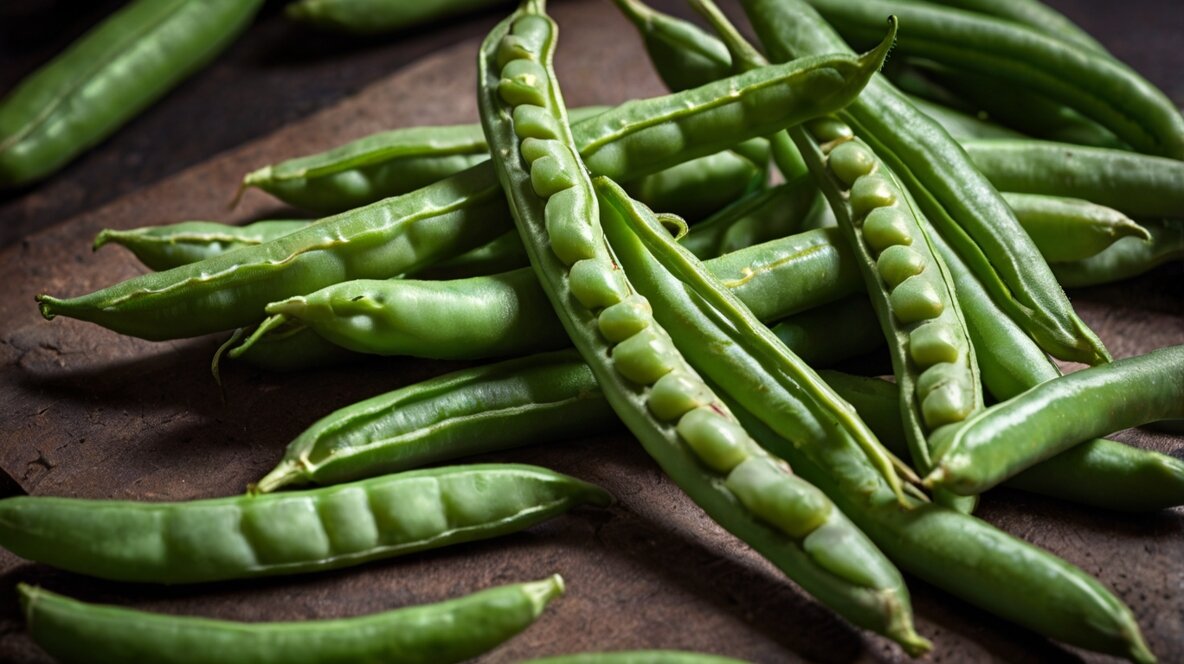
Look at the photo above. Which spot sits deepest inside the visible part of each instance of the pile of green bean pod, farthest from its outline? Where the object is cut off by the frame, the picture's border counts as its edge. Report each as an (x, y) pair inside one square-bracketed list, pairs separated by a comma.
[(915, 230)]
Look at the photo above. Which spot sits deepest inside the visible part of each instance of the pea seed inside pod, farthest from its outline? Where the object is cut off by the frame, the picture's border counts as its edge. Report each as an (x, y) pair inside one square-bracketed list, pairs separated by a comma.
[(886, 227), (915, 299), (532, 121), (523, 82), (677, 393), (850, 161), (829, 130), (572, 238), (645, 357), (945, 405), (719, 443), (869, 193), (625, 319), (943, 373), (513, 47), (596, 284), (552, 173), (932, 343), (899, 262), (779, 497), (533, 149)]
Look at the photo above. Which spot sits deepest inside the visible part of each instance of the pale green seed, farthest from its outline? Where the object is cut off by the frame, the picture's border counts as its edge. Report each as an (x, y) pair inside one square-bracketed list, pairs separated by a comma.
[(677, 393), (533, 149), (850, 161), (948, 403), (625, 319), (915, 299), (887, 227), (512, 47), (572, 237), (533, 30), (552, 174), (644, 357), (720, 443), (933, 343), (829, 130), (596, 284), (943, 373), (523, 82), (774, 494), (871, 192), (899, 262), (532, 121)]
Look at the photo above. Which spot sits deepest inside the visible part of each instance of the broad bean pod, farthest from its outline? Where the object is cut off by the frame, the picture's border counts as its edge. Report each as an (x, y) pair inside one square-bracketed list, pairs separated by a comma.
[(107, 77), (658, 396), (1092, 83), (947, 548), (1138, 185), (318, 529), (1126, 258), (167, 246), (950, 192), (461, 212), (451, 631), (368, 17), (975, 455)]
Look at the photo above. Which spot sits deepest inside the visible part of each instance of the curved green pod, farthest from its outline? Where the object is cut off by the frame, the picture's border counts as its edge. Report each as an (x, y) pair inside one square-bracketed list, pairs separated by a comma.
[(700, 187), (167, 246), (997, 443), (449, 631), (1126, 258), (959, 125), (1092, 83), (464, 211), (1032, 13), (681, 61), (959, 202), (287, 533), (761, 216), (1138, 185), (107, 77), (371, 17), (1071, 229), (659, 397)]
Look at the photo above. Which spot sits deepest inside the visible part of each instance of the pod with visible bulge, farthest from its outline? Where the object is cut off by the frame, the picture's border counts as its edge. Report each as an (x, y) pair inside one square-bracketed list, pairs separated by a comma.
[(907, 281)]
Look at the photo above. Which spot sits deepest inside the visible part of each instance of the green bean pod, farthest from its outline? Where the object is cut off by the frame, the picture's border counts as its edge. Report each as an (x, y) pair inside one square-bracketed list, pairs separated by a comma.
[(636, 657), (952, 195), (1092, 83), (377, 166), (107, 77), (372, 17), (167, 246), (1071, 229), (500, 406), (700, 187), (508, 314), (450, 631), (681, 61), (1053, 416), (833, 332), (1138, 185), (306, 531), (1126, 258), (658, 396), (959, 125), (1032, 13), (405, 233)]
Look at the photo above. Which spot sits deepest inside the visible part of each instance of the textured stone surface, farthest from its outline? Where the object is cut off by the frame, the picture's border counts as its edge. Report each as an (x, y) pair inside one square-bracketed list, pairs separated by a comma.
[(89, 413)]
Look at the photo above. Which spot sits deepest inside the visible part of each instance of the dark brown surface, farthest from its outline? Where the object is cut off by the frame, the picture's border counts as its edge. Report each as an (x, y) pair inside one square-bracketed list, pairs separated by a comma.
[(89, 413)]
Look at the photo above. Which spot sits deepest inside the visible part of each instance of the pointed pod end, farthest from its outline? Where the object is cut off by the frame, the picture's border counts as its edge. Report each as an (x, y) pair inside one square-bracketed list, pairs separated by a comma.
[(1138, 651), (104, 236), (542, 592), (875, 58), (47, 304), (286, 473)]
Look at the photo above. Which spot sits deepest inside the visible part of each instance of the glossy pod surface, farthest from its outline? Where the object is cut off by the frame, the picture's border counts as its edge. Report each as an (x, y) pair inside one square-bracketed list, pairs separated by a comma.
[(1057, 414), (247, 536), (659, 397), (450, 631), (107, 77), (1129, 257), (165, 247), (377, 16)]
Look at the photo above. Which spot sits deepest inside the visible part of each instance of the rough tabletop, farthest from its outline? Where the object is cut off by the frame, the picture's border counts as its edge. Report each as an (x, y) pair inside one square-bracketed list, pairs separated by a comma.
[(89, 413)]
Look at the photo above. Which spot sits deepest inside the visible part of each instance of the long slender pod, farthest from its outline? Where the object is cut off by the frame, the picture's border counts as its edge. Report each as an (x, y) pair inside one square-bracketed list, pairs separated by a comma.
[(1034, 14), (950, 192), (287, 533), (1126, 258), (167, 246), (1071, 229), (451, 631), (999, 442), (107, 77), (658, 396)]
